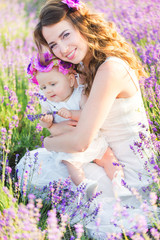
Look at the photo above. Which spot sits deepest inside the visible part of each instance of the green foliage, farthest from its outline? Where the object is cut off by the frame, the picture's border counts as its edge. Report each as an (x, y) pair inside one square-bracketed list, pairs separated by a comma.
[(6, 196)]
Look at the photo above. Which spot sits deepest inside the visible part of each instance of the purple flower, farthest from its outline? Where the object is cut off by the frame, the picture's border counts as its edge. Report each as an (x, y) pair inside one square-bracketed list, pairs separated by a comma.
[(34, 117)]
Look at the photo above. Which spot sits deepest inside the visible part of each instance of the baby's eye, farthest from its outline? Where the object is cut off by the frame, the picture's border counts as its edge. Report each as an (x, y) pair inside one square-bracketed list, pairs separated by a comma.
[(43, 88), (52, 84)]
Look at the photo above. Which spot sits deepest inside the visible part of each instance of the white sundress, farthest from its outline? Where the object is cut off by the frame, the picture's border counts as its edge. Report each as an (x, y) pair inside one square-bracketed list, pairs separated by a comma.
[(121, 130)]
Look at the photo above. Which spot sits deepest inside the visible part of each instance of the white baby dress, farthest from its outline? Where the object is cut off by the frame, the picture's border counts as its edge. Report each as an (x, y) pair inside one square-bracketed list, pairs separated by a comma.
[(122, 129)]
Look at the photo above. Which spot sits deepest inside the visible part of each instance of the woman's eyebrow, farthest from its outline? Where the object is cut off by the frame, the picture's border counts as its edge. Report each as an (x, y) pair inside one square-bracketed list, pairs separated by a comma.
[(58, 37)]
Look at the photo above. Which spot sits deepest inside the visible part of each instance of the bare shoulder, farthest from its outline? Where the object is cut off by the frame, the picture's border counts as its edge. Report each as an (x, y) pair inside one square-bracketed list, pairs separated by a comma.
[(114, 71)]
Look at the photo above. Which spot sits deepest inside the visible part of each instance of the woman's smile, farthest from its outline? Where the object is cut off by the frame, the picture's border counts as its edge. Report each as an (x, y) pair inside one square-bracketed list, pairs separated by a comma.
[(71, 55)]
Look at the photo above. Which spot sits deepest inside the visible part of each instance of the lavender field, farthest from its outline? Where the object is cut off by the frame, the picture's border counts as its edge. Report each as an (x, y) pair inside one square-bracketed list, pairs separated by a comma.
[(22, 215)]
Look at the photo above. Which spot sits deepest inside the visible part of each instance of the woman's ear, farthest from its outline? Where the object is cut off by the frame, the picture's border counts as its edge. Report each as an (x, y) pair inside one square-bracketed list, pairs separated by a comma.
[(72, 79)]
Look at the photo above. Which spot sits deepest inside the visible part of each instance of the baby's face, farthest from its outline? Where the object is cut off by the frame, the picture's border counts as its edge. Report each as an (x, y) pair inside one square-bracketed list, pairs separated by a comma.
[(56, 86)]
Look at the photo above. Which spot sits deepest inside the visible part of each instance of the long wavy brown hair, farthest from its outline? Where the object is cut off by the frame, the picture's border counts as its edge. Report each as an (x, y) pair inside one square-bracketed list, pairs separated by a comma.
[(102, 37)]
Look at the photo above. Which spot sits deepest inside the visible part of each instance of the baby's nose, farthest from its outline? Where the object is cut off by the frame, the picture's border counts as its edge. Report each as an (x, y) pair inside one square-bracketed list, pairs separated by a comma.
[(49, 89)]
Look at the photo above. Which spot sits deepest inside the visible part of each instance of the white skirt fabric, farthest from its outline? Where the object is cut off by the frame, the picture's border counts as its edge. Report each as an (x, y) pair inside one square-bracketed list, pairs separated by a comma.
[(47, 169)]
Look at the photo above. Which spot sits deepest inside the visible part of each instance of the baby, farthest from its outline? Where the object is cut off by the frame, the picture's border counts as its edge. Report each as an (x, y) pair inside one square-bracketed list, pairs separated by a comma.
[(57, 81)]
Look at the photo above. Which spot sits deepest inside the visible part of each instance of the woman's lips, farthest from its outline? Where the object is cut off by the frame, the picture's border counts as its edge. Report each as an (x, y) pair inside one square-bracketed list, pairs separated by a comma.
[(71, 55)]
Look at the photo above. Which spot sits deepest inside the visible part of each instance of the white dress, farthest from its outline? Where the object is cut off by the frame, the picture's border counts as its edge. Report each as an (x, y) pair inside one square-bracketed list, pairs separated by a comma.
[(121, 130)]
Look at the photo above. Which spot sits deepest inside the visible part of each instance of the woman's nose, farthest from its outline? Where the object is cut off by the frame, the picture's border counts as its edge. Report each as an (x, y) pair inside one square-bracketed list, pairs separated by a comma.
[(63, 48)]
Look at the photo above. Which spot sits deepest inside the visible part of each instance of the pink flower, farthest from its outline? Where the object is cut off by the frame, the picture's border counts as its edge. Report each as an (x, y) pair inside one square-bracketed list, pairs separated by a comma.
[(39, 127), (9, 170), (35, 65), (63, 70), (72, 3)]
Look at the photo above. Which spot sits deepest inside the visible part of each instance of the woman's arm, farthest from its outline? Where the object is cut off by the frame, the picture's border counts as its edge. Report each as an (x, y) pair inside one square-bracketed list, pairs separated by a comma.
[(109, 82)]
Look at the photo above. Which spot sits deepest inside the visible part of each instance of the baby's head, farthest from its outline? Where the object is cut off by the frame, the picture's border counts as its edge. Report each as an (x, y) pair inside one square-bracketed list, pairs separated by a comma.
[(56, 78)]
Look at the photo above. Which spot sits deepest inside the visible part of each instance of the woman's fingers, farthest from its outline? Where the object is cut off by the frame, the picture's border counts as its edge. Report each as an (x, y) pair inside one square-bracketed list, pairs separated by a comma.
[(72, 123)]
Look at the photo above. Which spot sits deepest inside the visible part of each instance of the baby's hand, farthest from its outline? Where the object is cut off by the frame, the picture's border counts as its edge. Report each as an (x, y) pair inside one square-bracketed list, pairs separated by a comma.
[(48, 118), (65, 113)]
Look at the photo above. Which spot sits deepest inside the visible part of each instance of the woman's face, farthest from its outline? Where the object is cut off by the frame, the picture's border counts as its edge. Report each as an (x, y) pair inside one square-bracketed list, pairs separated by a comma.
[(66, 42)]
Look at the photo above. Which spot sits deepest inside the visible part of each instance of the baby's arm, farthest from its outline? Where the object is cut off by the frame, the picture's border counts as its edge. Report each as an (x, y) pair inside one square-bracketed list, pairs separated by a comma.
[(73, 114), (46, 120), (69, 114)]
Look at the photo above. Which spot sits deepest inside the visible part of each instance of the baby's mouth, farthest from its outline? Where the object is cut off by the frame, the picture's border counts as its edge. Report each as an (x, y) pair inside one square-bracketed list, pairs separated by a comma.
[(52, 96)]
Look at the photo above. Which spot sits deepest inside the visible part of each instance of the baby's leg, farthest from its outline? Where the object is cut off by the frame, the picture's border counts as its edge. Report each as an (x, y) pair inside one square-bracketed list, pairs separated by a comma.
[(110, 164), (115, 172), (76, 173)]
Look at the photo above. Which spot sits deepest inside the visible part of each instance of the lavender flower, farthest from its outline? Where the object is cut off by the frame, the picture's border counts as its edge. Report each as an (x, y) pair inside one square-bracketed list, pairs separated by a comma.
[(32, 117)]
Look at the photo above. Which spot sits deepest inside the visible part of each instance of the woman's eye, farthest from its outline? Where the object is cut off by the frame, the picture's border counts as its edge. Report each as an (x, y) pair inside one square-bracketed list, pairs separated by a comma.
[(53, 46), (66, 35), (53, 84)]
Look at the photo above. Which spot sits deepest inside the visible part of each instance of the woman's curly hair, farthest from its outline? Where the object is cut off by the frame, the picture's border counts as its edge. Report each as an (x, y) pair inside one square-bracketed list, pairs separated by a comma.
[(102, 38)]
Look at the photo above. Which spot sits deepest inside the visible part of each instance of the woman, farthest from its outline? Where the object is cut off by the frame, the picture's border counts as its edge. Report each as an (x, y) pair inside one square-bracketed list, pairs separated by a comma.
[(110, 72)]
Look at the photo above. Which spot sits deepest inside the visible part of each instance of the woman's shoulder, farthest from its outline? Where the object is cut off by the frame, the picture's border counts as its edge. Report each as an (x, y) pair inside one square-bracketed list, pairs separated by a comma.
[(115, 74), (115, 61), (114, 66)]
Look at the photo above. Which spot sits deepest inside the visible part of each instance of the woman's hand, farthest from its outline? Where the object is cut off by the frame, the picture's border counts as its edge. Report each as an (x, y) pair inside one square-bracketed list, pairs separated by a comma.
[(62, 127), (58, 129)]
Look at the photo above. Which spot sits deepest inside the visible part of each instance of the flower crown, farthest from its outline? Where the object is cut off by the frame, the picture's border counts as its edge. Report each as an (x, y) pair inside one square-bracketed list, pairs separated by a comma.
[(36, 66), (72, 3)]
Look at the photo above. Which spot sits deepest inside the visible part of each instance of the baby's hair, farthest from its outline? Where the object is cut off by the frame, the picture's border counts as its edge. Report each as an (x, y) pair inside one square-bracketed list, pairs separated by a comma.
[(102, 37)]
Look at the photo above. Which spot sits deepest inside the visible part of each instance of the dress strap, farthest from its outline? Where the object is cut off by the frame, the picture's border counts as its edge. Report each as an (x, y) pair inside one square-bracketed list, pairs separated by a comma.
[(130, 71), (77, 78)]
